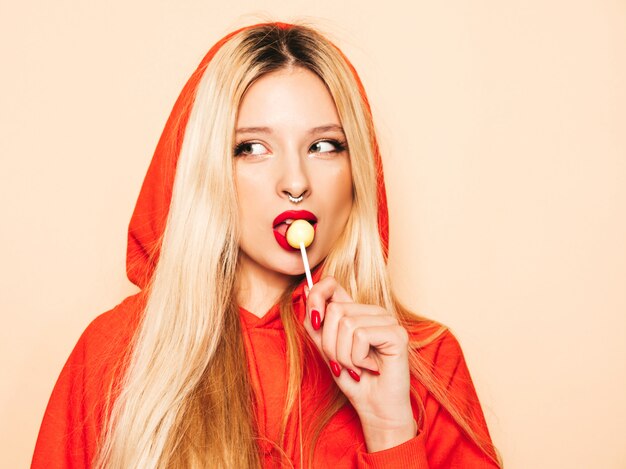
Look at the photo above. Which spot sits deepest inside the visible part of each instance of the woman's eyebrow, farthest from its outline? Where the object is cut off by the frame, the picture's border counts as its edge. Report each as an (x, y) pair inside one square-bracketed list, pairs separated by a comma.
[(268, 130)]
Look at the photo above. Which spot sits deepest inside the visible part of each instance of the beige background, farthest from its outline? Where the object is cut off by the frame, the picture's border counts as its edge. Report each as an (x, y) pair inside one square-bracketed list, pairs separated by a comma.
[(503, 129)]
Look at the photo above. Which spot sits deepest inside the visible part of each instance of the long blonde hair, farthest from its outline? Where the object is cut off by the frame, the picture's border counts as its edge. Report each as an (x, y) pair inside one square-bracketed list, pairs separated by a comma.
[(174, 406)]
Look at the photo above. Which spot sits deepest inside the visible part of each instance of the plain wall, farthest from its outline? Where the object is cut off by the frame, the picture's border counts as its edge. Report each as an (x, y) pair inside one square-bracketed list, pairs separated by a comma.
[(502, 126)]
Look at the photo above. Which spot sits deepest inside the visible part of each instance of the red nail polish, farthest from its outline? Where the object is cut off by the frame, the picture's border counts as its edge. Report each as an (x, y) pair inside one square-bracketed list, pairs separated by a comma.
[(336, 369), (354, 376), (377, 373), (315, 319)]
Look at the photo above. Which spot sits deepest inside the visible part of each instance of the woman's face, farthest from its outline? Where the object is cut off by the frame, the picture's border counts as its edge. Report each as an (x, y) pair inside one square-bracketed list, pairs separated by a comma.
[(289, 141)]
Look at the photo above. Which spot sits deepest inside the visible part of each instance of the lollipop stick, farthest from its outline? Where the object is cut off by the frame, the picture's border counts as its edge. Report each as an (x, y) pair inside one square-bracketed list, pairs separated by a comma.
[(307, 269)]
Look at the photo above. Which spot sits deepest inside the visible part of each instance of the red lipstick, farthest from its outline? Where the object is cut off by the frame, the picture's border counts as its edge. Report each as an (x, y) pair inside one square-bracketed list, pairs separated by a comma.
[(281, 224)]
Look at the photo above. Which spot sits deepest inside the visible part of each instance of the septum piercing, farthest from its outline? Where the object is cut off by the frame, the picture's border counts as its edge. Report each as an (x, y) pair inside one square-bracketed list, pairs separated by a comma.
[(295, 200)]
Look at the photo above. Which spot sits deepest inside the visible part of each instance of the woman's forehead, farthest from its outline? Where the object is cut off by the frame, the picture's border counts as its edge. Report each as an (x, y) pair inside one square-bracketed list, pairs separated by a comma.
[(289, 99)]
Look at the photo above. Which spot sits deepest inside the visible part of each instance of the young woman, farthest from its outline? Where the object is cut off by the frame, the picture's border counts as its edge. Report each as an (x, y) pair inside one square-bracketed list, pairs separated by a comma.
[(225, 358)]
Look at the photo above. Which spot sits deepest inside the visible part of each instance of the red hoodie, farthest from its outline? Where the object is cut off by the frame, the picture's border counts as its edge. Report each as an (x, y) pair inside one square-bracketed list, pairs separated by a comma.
[(74, 417)]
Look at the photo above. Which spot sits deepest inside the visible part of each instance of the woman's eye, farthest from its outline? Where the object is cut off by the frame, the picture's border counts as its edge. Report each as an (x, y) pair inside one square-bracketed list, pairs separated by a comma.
[(250, 149), (258, 149), (327, 146)]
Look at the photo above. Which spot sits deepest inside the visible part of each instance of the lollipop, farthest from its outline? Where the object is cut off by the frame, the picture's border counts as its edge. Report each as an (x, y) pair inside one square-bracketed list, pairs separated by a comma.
[(300, 234), (300, 231)]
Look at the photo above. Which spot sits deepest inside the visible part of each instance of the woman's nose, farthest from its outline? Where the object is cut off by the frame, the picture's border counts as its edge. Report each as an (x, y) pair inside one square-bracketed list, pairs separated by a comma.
[(294, 181)]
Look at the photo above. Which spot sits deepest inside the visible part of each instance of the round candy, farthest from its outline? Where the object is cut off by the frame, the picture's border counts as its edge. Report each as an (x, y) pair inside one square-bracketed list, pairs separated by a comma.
[(300, 231)]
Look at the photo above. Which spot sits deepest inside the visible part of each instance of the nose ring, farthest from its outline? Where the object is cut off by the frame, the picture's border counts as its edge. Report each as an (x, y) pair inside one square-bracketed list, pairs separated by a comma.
[(295, 200)]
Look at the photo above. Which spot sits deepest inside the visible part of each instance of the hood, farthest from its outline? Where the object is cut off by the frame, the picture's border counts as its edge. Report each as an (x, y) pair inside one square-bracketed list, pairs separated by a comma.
[(148, 220)]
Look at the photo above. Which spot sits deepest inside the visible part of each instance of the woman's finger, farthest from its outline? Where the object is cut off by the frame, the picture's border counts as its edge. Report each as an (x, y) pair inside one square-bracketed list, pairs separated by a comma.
[(337, 311), (336, 341), (326, 339), (323, 292), (387, 341), (333, 314), (348, 329)]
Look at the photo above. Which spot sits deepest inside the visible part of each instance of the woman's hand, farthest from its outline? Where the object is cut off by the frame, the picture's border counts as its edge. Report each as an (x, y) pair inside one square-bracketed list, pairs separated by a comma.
[(367, 352)]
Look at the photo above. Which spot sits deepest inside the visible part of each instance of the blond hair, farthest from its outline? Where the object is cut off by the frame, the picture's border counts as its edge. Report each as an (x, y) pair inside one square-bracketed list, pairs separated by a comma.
[(174, 406)]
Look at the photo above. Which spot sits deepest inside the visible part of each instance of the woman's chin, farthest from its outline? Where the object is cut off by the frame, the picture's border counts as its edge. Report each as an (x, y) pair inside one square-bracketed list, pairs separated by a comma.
[(292, 271), (278, 262), (294, 267)]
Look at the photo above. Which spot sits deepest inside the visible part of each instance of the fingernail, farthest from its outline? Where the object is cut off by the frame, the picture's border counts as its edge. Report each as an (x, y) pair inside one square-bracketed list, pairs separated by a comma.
[(336, 369), (315, 319), (354, 376), (377, 373)]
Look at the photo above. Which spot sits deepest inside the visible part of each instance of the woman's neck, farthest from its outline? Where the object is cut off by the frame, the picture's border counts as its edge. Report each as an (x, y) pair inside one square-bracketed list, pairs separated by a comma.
[(258, 289)]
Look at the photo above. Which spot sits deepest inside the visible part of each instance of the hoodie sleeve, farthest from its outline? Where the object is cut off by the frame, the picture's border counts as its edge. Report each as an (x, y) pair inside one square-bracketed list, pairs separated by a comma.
[(441, 443), (66, 434), (73, 418)]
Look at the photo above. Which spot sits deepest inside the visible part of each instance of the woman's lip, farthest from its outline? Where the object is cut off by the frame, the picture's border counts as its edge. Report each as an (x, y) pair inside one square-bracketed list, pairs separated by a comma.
[(294, 215)]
